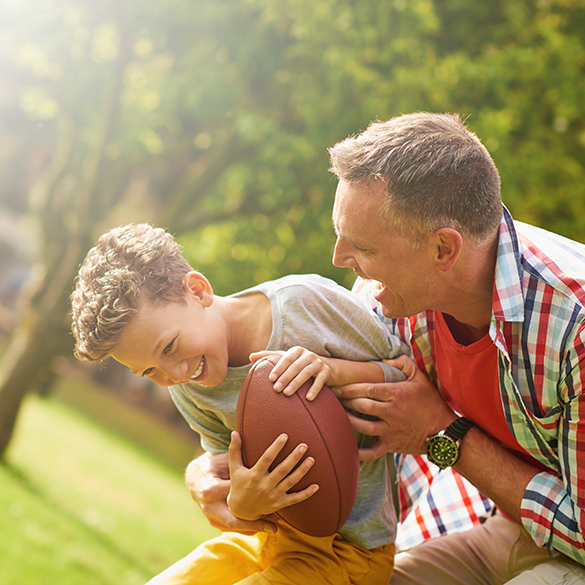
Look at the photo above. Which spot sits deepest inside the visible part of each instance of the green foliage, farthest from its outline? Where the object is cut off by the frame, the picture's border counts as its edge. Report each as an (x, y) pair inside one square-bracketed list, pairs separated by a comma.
[(80, 505), (224, 110)]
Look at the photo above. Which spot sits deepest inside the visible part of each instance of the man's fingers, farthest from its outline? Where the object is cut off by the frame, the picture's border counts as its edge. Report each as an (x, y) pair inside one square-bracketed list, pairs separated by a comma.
[(368, 406), (373, 453), (382, 391), (225, 521), (404, 364), (367, 427)]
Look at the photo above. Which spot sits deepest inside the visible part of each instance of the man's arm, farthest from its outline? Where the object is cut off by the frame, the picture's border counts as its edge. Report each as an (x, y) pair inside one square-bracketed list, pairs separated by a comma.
[(411, 411)]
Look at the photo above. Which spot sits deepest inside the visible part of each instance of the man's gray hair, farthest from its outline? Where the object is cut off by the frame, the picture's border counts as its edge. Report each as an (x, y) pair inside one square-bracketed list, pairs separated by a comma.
[(438, 174)]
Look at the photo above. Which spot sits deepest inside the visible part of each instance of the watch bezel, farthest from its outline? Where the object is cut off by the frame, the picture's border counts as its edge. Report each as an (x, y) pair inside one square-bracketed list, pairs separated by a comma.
[(445, 439)]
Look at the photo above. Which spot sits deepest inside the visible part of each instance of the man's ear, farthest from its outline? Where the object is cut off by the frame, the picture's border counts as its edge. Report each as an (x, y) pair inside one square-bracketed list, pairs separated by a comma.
[(447, 246), (197, 286)]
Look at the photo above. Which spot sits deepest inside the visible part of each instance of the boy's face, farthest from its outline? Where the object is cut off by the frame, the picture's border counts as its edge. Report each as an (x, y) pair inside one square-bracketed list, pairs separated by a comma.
[(177, 343)]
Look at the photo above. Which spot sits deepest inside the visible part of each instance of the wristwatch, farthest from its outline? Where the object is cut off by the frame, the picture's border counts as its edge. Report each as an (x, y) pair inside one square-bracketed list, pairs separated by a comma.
[(443, 448)]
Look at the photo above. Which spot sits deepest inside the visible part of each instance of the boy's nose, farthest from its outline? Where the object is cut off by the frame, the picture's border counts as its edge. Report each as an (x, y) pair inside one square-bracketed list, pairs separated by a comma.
[(179, 372)]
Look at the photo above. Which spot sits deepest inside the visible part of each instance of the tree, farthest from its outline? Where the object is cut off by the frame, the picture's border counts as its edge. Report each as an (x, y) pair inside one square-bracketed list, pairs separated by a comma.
[(212, 119), (94, 74)]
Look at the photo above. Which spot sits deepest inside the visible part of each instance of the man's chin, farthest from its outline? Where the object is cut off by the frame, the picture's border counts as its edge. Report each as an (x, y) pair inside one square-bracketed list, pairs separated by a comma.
[(388, 312), (385, 298)]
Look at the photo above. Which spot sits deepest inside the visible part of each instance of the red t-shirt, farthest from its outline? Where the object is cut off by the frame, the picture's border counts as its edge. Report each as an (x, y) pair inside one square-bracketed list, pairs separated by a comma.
[(468, 376)]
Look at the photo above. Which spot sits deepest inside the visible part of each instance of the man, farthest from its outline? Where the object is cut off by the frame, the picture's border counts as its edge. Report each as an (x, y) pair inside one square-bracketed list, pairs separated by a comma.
[(494, 311)]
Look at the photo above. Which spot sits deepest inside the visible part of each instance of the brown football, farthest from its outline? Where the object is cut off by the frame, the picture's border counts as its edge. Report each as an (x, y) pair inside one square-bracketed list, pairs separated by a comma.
[(263, 414)]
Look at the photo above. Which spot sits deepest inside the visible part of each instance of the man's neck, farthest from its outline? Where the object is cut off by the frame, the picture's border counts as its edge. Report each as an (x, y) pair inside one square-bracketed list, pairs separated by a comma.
[(465, 334), (469, 301)]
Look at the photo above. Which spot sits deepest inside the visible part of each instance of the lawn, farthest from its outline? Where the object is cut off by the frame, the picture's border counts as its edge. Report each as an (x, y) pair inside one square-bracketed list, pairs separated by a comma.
[(81, 504)]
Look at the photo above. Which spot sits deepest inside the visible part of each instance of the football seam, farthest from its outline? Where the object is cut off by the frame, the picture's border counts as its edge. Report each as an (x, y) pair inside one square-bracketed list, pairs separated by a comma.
[(337, 482), (241, 419)]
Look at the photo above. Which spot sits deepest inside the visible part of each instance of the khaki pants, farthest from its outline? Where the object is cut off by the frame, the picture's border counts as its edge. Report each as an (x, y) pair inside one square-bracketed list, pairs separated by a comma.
[(493, 553), (286, 558)]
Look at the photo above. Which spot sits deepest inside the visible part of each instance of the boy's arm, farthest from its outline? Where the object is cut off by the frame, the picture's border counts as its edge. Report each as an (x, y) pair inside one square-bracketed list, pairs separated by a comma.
[(297, 365)]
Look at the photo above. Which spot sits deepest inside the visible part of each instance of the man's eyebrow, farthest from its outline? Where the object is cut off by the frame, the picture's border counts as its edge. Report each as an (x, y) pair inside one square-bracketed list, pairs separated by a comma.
[(354, 244), (349, 240)]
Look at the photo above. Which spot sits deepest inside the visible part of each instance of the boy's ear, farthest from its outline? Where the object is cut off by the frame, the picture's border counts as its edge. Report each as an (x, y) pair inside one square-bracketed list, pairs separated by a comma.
[(199, 287), (447, 246)]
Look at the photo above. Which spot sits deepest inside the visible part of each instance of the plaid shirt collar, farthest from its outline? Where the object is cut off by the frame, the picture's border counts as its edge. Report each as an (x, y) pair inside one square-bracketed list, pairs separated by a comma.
[(508, 303)]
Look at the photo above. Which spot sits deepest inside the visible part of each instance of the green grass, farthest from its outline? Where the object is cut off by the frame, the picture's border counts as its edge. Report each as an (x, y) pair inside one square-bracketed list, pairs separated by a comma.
[(80, 504), (128, 420)]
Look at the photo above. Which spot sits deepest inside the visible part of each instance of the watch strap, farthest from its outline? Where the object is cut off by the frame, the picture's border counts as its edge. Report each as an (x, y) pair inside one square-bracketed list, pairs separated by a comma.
[(458, 428)]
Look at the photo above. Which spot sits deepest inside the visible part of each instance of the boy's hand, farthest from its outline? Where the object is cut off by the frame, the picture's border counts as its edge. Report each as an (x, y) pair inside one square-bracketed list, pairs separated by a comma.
[(207, 479), (295, 367), (258, 491)]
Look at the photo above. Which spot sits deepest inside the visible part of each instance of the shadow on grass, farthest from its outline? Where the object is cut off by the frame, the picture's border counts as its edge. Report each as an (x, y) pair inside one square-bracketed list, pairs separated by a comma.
[(27, 484)]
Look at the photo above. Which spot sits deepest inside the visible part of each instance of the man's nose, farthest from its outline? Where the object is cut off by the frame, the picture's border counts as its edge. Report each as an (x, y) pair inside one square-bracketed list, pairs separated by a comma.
[(341, 255)]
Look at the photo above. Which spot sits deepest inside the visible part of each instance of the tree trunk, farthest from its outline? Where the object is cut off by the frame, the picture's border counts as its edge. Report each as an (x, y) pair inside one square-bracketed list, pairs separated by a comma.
[(30, 353)]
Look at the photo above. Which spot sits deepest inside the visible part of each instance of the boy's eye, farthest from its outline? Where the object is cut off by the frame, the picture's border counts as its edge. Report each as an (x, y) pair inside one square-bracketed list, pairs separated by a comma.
[(147, 372), (168, 347)]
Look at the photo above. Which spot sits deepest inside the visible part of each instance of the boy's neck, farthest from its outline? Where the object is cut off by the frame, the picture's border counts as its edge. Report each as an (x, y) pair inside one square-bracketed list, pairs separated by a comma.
[(249, 321)]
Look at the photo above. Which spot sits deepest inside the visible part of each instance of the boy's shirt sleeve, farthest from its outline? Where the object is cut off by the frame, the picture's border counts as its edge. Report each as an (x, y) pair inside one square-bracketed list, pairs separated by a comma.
[(329, 320)]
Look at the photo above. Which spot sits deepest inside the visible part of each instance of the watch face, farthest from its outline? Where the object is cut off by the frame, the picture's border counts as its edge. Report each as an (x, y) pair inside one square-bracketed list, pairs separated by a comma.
[(442, 451)]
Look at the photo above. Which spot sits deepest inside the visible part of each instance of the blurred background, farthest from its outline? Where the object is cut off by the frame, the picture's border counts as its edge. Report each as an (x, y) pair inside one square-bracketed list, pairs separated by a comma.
[(211, 118)]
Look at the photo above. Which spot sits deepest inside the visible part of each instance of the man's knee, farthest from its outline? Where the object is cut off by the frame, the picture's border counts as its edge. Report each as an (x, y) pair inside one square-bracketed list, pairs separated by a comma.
[(552, 573)]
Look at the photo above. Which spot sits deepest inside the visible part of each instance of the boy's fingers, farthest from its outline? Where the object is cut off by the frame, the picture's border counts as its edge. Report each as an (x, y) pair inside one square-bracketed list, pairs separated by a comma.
[(291, 383), (297, 497), (315, 388), (286, 466), (293, 478), (235, 451), (268, 457), (258, 355), (290, 358)]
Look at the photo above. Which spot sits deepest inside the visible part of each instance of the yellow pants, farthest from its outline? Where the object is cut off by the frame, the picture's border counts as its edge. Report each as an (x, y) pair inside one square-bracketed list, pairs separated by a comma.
[(288, 557)]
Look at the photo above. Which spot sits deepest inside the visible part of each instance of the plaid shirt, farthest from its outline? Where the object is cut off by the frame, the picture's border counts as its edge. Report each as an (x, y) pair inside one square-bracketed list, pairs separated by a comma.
[(538, 326)]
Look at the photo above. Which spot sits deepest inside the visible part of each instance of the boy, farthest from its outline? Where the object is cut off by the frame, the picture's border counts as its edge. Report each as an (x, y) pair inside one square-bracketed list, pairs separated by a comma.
[(138, 300)]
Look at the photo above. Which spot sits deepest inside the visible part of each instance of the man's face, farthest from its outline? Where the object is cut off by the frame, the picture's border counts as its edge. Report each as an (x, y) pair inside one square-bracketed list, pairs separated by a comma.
[(366, 244)]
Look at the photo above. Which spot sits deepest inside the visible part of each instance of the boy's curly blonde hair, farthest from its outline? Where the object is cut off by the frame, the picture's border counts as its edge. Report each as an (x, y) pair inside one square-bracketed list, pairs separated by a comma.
[(128, 265)]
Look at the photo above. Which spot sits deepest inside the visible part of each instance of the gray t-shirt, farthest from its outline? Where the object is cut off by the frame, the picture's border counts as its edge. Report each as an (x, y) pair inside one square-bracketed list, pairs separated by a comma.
[(327, 319)]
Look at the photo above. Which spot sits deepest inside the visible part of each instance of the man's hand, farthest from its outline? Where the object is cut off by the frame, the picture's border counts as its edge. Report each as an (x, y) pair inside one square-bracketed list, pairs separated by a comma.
[(408, 412), (258, 491), (207, 479)]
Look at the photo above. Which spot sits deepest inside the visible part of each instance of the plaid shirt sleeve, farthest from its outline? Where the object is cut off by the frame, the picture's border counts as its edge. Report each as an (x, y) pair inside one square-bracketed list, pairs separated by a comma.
[(553, 509)]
